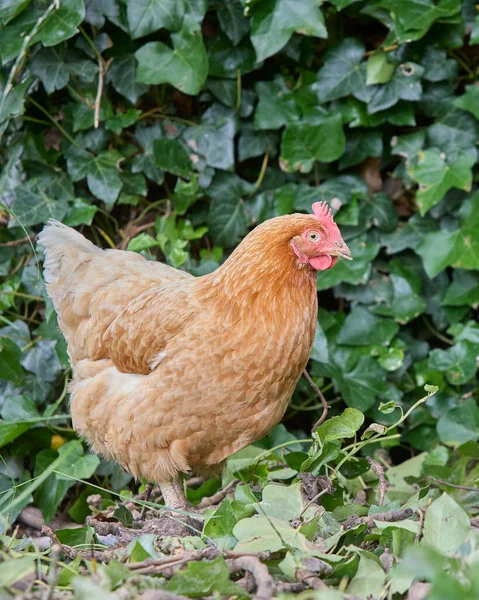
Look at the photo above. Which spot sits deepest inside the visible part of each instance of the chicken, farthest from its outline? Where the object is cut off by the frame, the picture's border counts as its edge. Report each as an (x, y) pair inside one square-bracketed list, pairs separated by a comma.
[(172, 373)]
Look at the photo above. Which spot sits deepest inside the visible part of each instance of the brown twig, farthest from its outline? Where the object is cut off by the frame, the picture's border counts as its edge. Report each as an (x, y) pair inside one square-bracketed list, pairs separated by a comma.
[(25, 240), (263, 580), (382, 485), (151, 565), (99, 92), (161, 595), (166, 564), (68, 551), (420, 514), (391, 516), (307, 376), (453, 485), (218, 497)]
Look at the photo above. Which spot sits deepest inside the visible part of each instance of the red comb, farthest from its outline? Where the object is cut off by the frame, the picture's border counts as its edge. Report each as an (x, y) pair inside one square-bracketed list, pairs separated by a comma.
[(322, 211)]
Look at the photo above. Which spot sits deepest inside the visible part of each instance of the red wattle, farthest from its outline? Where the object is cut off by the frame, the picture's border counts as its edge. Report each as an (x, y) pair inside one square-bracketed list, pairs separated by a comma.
[(321, 263)]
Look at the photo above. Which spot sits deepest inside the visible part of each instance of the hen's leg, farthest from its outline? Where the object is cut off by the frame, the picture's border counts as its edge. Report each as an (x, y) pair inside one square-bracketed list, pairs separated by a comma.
[(174, 494), (174, 497)]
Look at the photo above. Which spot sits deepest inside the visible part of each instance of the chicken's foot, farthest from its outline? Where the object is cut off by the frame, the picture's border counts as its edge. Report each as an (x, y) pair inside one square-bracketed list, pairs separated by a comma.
[(174, 498), (174, 494)]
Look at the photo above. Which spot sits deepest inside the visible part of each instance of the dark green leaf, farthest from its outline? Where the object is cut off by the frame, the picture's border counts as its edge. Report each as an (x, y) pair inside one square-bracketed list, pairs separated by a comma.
[(361, 327), (360, 145), (343, 73), (123, 515), (459, 247), (199, 579), (460, 425), (147, 16), (274, 21), (458, 362), (10, 369), (185, 67), (172, 157), (232, 20), (436, 177), (101, 172), (122, 75), (227, 219), (303, 144)]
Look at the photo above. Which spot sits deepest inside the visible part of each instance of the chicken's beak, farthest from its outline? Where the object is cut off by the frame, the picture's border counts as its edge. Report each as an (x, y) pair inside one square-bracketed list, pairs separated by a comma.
[(340, 249)]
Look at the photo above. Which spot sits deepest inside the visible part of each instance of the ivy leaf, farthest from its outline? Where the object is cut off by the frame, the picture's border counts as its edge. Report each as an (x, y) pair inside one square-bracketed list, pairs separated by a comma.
[(280, 501), (274, 21), (200, 579), (453, 132), (469, 101), (185, 67), (437, 66), (359, 385), (361, 328), (146, 162), (57, 26), (49, 65), (232, 20), (84, 115), (408, 145), (458, 362), (13, 105), (406, 303), (214, 138), (101, 172), (459, 247), (446, 526), (408, 235), (360, 145), (10, 368), (436, 177), (404, 85), (122, 75), (62, 24), (172, 157), (413, 18), (464, 289), (147, 16), (379, 70), (122, 120), (42, 198), (460, 425), (227, 218), (81, 213), (342, 73), (342, 427), (276, 105), (42, 360), (304, 143)]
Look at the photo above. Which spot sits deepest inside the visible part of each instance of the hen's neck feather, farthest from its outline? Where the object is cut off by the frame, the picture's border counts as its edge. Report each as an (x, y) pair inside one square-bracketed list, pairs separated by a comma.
[(264, 272)]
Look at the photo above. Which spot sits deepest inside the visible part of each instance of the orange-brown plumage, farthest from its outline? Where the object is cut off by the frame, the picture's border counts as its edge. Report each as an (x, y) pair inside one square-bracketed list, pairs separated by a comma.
[(173, 373)]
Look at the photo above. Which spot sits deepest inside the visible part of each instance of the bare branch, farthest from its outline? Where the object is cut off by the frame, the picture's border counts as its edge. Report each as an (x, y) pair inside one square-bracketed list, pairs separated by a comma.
[(307, 376), (263, 580), (382, 485)]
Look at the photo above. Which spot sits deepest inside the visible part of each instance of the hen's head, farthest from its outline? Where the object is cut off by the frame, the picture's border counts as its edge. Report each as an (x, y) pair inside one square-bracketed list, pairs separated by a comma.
[(319, 243)]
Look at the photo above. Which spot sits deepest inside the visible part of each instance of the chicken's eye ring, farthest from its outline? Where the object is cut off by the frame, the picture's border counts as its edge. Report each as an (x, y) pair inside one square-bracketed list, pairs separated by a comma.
[(313, 236)]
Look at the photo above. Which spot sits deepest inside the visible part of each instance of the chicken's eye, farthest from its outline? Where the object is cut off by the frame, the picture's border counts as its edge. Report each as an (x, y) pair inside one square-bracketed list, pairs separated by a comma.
[(313, 236)]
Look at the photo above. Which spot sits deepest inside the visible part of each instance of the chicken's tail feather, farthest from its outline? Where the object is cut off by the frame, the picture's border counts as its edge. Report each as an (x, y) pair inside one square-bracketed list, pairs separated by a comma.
[(64, 249)]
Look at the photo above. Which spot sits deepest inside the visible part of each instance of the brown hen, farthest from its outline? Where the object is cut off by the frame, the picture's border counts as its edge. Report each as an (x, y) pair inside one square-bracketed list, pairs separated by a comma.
[(172, 373)]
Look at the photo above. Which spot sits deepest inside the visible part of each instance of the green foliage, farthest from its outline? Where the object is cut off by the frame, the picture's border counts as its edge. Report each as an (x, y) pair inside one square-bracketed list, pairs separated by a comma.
[(171, 128)]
